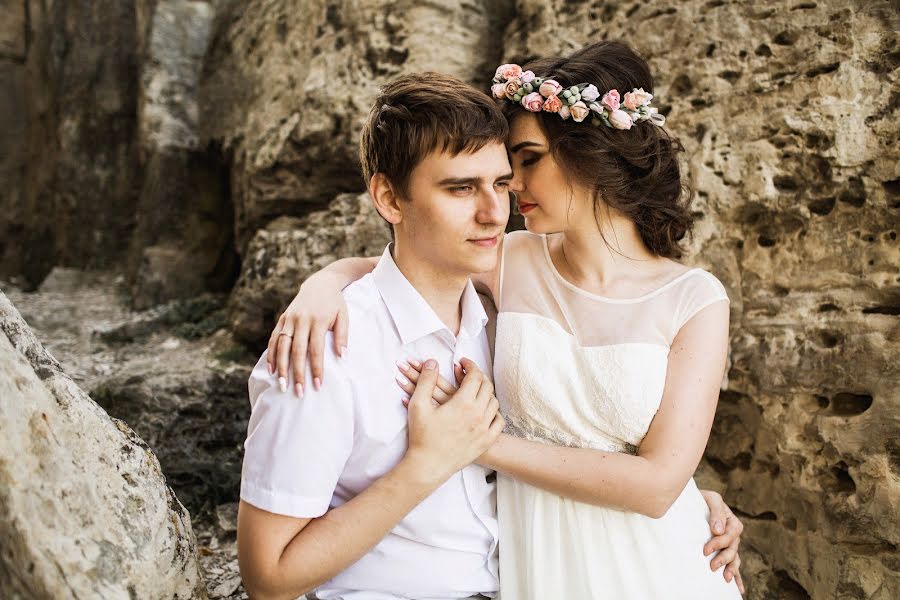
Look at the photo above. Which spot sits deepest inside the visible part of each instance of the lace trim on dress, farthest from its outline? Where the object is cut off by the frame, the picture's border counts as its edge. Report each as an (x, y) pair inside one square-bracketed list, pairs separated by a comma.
[(520, 428)]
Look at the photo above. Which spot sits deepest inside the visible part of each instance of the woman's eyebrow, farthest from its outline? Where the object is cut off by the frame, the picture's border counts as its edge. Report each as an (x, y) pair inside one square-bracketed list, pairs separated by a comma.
[(521, 145)]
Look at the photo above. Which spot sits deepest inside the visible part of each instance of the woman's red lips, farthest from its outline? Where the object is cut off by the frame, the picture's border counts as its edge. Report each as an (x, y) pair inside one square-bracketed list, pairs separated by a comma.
[(525, 207)]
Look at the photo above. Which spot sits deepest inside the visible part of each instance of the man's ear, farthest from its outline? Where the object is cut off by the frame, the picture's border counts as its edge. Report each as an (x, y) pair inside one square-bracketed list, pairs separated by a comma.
[(387, 201)]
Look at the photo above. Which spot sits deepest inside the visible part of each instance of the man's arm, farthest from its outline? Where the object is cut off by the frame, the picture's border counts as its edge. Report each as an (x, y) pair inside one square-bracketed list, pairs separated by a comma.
[(284, 556)]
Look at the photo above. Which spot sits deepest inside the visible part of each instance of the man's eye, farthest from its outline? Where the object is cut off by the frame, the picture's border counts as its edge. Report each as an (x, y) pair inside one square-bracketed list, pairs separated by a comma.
[(502, 184), (461, 189)]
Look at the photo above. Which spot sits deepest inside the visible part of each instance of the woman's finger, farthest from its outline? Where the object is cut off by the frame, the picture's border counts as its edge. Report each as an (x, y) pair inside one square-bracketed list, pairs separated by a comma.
[(272, 347), (723, 558), (406, 385), (341, 330), (298, 354), (444, 390), (317, 352), (739, 579)]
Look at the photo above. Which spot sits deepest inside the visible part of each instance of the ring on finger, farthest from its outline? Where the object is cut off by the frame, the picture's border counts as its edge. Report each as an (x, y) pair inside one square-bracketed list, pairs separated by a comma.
[(289, 335)]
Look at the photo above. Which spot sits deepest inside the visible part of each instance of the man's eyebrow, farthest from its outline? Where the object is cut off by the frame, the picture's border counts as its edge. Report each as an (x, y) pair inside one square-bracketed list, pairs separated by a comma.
[(459, 181), (520, 145), (471, 180)]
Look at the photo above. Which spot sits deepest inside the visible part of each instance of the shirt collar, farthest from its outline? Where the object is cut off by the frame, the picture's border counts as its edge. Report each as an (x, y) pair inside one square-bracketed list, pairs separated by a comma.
[(412, 315)]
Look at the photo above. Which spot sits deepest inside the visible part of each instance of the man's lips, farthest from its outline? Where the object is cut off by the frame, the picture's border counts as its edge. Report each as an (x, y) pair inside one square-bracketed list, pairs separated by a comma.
[(486, 242)]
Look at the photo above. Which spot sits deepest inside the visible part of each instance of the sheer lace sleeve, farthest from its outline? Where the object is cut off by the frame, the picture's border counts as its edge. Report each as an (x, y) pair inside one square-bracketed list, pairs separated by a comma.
[(697, 292)]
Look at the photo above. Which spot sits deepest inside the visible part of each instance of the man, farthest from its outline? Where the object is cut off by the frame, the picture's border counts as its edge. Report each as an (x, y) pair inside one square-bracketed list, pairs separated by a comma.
[(342, 490)]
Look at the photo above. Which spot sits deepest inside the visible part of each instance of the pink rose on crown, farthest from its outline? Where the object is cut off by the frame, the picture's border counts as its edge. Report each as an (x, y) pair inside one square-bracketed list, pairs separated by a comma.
[(553, 104), (527, 77), (611, 100), (533, 102), (620, 119), (643, 98), (499, 91), (508, 71), (580, 111), (630, 101), (590, 93), (550, 88), (636, 98), (565, 112), (511, 87)]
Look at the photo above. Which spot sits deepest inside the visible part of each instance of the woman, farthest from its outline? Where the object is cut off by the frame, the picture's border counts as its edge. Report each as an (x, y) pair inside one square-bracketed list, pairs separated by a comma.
[(609, 353)]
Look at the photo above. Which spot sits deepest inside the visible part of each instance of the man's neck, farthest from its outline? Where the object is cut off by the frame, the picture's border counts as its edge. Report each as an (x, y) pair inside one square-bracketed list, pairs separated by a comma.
[(442, 291)]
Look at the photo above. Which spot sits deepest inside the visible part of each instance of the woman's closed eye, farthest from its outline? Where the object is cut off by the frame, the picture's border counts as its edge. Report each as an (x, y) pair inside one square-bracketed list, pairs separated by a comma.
[(530, 159)]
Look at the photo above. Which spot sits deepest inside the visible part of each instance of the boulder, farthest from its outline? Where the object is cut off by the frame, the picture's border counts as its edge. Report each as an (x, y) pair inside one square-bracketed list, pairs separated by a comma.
[(84, 507)]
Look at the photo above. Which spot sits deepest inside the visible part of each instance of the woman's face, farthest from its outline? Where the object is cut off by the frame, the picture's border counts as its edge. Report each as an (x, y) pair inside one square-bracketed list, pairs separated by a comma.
[(549, 202)]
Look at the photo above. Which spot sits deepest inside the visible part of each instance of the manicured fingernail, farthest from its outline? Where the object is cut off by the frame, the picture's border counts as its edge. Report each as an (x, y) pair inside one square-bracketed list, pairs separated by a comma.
[(271, 368), (403, 365), (317, 383), (405, 401), (282, 384), (431, 364), (402, 380), (342, 351), (298, 388), (717, 526)]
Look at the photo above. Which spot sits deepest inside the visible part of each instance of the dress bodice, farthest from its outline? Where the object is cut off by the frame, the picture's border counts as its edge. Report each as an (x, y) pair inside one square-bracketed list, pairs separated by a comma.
[(575, 369)]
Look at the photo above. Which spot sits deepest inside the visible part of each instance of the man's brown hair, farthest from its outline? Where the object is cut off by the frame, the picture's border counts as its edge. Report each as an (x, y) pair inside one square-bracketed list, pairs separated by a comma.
[(421, 112)]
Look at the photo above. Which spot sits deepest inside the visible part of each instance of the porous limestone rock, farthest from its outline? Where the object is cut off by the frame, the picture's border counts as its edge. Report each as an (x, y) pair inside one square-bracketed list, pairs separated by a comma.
[(281, 256), (84, 508), (291, 83), (788, 114)]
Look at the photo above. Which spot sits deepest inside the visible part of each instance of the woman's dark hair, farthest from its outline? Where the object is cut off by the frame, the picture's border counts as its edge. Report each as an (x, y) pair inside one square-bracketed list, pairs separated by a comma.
[(634, 171)]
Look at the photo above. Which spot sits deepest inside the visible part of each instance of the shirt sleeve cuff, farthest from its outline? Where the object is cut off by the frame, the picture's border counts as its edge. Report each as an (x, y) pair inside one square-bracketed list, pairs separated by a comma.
[(280, 503)]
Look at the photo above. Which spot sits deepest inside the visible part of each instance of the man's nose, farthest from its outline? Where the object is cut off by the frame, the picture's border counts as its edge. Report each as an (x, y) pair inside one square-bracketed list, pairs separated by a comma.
[(493, 208)]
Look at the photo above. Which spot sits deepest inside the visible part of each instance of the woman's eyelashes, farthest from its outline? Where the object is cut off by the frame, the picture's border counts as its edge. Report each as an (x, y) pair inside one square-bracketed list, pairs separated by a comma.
[(530, 159)]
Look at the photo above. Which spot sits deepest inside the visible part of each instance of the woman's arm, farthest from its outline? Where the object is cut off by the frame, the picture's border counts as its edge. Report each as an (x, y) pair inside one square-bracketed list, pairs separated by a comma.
[(669, 454), (317, 308)]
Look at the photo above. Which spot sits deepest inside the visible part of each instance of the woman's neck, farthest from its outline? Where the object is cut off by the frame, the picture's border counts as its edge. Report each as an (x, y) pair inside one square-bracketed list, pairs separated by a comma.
[(600, 257)]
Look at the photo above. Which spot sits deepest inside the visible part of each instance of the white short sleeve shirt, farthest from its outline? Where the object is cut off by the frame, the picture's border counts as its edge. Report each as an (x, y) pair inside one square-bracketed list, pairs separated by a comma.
[(305, 456)]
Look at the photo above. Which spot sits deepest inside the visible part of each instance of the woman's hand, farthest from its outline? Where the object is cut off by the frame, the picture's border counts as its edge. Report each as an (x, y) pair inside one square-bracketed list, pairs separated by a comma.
[(318, 307), (412, 368), (727, 529), (723, 523)]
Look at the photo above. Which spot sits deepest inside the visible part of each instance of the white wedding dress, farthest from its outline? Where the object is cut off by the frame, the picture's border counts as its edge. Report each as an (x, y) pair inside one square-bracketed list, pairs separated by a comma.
[(576, 369)]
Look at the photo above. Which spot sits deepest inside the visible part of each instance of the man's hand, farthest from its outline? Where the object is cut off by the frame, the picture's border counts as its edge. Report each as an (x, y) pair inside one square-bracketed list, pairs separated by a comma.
[(444, 438), (727, 530)]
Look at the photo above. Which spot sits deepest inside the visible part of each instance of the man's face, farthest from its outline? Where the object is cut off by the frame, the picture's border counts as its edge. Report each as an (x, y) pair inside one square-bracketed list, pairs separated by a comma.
[(456, 210)]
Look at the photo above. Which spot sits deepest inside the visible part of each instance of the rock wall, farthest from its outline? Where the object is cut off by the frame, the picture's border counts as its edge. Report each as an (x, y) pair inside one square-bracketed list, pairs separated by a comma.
[(788, 113), (84, 508), (69, 170)]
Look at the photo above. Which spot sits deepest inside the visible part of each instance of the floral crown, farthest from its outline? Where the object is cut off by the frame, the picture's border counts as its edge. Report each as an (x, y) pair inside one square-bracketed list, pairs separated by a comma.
[(538, 94)]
